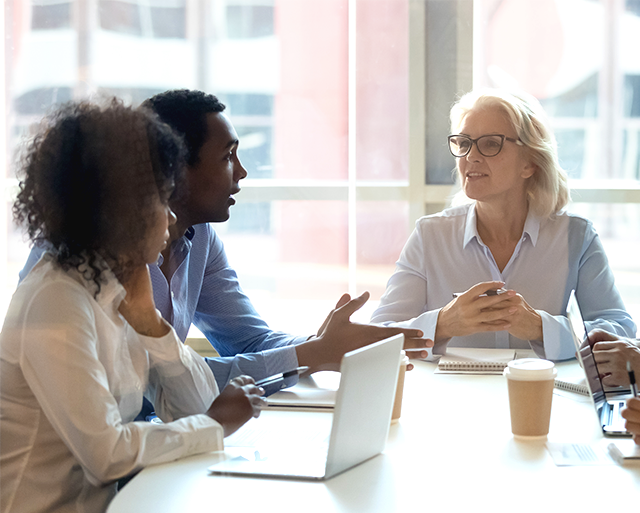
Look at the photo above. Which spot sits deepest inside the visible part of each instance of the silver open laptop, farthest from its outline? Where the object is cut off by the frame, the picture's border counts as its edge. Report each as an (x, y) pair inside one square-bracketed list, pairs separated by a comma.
[(607, 409), (360, 426)]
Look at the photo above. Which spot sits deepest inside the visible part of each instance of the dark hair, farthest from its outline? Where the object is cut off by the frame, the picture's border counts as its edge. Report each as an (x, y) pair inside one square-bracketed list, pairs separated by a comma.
[(91, 176), (186, 112)]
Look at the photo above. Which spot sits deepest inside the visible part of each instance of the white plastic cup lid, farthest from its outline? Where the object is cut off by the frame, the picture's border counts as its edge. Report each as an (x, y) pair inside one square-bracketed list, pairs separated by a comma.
[(530, 369)]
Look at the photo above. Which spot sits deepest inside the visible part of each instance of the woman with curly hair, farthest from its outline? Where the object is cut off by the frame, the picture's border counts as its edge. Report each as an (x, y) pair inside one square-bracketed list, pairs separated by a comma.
[(82, 340)]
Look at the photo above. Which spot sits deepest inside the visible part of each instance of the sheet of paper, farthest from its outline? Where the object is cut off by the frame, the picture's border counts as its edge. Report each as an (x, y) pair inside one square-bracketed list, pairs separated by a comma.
[(625, 452), (315, 391), (579, 454)]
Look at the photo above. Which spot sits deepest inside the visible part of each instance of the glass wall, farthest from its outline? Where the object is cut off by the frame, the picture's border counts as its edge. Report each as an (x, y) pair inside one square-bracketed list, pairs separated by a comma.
[(333, 100), (580, 59), (318, 93)]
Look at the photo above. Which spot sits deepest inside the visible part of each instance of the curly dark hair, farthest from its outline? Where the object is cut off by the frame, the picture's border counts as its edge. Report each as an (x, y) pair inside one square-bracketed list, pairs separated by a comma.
[(91, 177), (186, 112)]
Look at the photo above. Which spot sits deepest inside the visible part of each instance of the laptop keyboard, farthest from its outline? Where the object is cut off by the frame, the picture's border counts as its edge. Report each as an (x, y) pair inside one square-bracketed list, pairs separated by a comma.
[(611, 415)]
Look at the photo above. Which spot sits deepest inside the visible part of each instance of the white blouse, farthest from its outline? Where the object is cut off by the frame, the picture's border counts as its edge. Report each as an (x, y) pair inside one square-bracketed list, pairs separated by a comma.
[(72, 376)]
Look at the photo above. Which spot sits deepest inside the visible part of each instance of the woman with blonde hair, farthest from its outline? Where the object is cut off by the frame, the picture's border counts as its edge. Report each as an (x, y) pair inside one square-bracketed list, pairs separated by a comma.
[(497, 271)]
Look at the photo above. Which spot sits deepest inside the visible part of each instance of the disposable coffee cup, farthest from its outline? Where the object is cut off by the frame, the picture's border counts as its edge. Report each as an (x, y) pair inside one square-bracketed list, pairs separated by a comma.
[(397, 404), (530, 382)]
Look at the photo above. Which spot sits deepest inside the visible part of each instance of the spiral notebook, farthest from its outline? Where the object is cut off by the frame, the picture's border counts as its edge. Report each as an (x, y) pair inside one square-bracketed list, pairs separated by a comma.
[(577, 386), (475, 360), (479, 360)]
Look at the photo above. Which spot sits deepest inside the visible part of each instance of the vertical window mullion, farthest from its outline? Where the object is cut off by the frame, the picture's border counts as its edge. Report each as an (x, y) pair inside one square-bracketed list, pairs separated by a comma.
[(352, 169)]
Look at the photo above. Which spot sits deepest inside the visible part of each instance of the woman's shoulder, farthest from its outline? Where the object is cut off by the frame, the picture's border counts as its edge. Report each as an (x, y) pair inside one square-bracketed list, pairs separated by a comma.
[(49, 292), (574, 228), (48, 276), (573, 222), (453, 216), (451, 213)]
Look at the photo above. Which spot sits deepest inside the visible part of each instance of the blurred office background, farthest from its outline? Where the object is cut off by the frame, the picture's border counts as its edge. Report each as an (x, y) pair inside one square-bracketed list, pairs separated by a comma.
[(342, 111)]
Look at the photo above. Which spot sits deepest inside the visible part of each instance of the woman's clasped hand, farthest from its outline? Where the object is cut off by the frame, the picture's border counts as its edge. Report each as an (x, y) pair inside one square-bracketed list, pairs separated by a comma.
[(477, 310)]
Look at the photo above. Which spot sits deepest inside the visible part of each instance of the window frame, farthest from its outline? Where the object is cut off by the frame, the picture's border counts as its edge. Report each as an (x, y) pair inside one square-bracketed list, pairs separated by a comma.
[(422, 197)]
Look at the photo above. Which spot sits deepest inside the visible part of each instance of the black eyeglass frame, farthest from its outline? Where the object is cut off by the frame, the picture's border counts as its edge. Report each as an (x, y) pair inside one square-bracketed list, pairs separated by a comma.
[(503, 138)]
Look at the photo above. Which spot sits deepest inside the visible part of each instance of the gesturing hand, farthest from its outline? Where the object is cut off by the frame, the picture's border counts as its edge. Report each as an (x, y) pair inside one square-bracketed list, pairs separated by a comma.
[(344, 299), (338, 335), (239, 401)]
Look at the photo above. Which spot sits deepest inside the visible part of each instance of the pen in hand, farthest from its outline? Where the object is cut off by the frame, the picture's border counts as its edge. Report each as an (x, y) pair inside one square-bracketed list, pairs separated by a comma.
[(632, 380), (281, 376), (490, 292)]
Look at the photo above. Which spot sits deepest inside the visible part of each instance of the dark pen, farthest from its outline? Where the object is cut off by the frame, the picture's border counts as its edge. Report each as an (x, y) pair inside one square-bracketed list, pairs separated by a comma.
[(632, 380), (490, 292), (281, 376)]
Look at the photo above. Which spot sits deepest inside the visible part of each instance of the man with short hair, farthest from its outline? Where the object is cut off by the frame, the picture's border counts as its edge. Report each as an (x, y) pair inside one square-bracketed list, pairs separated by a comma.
[(193, 281)]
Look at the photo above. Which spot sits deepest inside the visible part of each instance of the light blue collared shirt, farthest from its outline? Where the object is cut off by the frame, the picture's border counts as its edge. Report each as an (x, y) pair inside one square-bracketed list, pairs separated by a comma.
[(445, 254), (204, 290)]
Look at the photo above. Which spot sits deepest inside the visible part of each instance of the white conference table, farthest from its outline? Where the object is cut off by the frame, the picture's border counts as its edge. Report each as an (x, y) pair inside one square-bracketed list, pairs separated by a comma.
[(451, 451)]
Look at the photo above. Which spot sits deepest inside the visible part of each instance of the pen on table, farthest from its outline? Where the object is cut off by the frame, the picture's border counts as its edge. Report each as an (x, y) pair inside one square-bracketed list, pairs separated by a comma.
[(490, 292), (281, 376), (632, 380)]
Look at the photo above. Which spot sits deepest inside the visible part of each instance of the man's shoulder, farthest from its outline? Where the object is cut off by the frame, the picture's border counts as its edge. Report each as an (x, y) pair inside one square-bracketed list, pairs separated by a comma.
[(203, 235), (206, 247), (204, 230)]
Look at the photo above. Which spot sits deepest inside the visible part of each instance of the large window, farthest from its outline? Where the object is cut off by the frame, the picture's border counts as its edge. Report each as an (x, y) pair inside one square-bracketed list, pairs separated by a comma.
[(579, 58), (342, 110)]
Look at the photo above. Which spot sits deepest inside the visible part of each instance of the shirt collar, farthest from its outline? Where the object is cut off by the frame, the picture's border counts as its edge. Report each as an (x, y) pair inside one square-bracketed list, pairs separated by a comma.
[(188, 236), (190, 233), (112, 291), (471, 228), (531, 227)]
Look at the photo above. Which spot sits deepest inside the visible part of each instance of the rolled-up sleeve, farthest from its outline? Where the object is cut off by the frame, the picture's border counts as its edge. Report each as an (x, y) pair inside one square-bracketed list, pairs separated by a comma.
[(180, 381)]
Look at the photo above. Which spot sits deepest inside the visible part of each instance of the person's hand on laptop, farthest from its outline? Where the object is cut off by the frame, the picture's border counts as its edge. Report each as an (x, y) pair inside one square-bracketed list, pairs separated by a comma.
[(338, 335), (239, 401), (632, 415), (611, 354)]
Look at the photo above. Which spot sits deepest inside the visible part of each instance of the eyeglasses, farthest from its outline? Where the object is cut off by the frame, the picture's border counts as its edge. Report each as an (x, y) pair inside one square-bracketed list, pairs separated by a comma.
[(488, 145)]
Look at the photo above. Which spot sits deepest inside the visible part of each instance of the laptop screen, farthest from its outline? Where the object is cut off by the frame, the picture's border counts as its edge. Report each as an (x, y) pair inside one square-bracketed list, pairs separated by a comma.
[(583, 350)]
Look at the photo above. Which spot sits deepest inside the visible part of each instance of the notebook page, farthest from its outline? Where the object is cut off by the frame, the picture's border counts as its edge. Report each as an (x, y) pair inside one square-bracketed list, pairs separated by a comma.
[(475, 360), (314, 392)]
